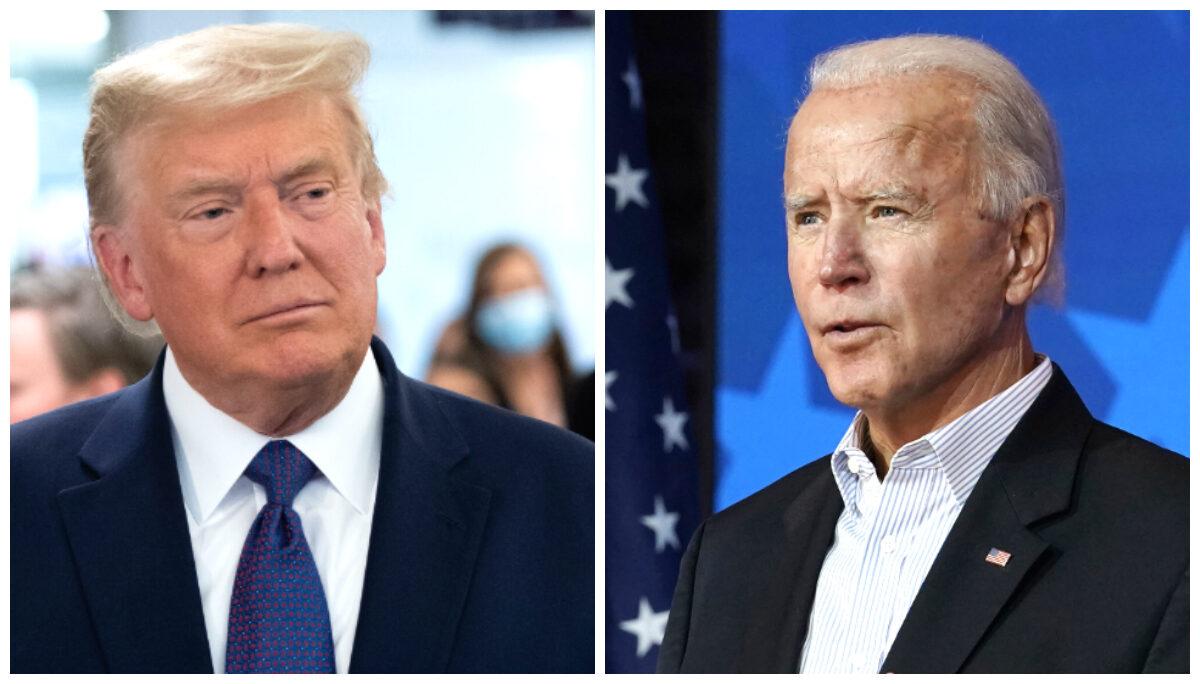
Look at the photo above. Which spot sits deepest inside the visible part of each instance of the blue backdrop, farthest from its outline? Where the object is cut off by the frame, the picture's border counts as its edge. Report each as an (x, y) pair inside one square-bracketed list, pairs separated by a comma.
[(1116, 83)]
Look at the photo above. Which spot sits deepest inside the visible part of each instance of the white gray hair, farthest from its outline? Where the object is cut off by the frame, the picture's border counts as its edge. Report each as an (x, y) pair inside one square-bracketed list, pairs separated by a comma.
[(1019, 150), (214, 69)]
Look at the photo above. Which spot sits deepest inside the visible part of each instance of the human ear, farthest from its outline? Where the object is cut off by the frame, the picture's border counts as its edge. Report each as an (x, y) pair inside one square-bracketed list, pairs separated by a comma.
[(110, 244), (1032, 236)]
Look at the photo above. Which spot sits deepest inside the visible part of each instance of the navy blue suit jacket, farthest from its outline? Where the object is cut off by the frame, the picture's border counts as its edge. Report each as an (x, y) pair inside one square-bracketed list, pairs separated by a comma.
[(480, 560)]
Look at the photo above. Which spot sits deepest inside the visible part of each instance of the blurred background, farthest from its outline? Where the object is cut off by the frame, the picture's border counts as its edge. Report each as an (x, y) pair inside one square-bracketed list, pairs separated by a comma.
[(483, 125), (715, 94)]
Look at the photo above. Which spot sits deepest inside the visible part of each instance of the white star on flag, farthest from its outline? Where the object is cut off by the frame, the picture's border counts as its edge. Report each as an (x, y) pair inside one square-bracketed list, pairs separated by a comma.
[(609, 378), (671, 423), (663, 525), (634, 83), (615, 282), (649, 627), (627, 182)]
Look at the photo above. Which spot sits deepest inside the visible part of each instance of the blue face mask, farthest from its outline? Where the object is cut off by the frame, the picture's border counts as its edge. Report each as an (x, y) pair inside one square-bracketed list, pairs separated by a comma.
[(517, 323)]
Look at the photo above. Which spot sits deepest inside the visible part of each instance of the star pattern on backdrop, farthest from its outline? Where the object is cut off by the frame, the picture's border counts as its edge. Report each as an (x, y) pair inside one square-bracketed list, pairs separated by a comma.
[(662, 522), (649, 453), (649, 627), (616, 283), (634, 82), (627, 182), (671, 422)]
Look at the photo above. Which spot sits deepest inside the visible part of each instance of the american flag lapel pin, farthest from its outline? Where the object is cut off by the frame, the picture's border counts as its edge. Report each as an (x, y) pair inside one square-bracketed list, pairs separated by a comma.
[(998, 557)]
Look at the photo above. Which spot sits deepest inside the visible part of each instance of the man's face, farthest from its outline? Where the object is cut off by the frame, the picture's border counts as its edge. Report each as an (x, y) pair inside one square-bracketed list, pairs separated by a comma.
[(245, 236), (899, 281)]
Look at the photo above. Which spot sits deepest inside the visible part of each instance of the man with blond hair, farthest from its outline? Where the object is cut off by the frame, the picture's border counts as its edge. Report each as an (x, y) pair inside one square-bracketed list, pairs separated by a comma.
[(276, 496), (974, 516)]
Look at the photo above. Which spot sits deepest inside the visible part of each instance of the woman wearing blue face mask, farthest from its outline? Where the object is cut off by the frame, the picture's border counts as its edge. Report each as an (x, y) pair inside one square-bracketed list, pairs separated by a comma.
[(506, 349)]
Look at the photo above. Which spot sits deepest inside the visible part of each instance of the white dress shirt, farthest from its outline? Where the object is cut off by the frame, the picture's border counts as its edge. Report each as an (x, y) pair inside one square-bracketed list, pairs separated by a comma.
[(211, 452), (890, 532)]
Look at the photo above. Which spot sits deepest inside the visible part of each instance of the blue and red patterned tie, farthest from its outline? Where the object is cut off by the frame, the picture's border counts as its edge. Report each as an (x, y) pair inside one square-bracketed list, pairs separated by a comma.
[(278, 618)]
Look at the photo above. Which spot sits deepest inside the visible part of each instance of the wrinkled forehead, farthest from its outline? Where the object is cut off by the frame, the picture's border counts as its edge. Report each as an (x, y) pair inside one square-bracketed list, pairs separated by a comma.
[(919, 119)]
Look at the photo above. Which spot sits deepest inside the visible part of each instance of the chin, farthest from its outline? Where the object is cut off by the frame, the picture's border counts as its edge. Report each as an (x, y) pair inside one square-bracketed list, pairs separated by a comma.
[(855, 385), (297, 360)]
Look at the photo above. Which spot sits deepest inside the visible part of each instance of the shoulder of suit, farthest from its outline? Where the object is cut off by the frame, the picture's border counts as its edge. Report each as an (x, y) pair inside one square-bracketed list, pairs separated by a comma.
[(490, 426), (1133, 467), (44, 443), (769, 502)]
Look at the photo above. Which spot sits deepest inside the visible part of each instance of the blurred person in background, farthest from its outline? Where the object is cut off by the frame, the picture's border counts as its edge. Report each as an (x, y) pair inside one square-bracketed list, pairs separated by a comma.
[(507, 349), (64, 344)]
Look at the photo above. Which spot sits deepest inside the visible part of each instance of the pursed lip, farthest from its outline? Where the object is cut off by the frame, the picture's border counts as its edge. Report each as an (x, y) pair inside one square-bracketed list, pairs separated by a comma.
[(847, 325), (296, 305)]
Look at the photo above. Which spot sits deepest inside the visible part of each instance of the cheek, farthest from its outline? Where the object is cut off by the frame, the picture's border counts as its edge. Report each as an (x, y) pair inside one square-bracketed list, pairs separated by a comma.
[(960, 307), (800, 274)]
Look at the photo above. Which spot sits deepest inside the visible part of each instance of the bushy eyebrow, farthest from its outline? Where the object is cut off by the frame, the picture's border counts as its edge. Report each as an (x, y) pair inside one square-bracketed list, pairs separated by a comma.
[(225, 186), (896, 193), (797, 201), (306, 167), (205, 186)]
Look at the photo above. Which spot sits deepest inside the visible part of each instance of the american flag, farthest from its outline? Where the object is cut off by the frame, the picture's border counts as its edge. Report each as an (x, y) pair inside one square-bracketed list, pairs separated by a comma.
[(998, 557), (650, 465)]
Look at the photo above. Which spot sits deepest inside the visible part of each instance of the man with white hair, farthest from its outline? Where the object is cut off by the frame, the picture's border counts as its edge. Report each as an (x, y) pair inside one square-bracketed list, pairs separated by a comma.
[(974, 517), (276, 496)]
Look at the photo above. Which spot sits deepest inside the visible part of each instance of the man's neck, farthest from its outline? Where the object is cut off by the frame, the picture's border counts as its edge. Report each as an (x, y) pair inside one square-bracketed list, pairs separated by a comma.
[(892, 426)]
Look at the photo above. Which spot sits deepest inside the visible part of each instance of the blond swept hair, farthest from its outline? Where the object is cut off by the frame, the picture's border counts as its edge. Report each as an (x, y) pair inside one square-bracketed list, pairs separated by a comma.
[(1019, 148), (211, 70)]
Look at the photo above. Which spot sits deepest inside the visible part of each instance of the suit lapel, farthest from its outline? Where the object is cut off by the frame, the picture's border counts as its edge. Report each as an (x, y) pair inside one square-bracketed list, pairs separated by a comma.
[(130, 541), (425, 536), (778, 623), (1030, 478)]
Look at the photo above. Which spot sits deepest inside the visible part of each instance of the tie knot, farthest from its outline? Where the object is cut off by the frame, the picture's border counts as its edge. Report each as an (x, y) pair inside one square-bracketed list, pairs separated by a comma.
[(282, 470)]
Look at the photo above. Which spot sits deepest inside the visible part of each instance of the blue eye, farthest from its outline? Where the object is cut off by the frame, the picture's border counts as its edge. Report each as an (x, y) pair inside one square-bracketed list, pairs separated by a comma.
[(214, 213), (807, 219), (887, 212)]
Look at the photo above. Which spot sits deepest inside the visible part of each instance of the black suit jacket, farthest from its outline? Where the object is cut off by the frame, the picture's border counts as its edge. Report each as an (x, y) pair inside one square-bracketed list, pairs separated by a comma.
[(480, 558), (1096, 521)]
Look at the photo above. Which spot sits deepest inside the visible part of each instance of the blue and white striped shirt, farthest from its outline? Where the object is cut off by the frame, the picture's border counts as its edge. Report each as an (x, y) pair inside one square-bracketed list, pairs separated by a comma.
[(890, 532)]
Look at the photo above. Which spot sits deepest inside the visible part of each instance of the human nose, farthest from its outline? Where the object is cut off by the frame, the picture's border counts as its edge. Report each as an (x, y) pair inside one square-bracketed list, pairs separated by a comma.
[(843, 261), (270, 242)]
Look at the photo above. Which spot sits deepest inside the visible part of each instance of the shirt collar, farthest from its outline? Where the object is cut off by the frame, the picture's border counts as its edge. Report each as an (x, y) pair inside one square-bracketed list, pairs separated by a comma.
[(850, 462), (213, 449), (961, 449)]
